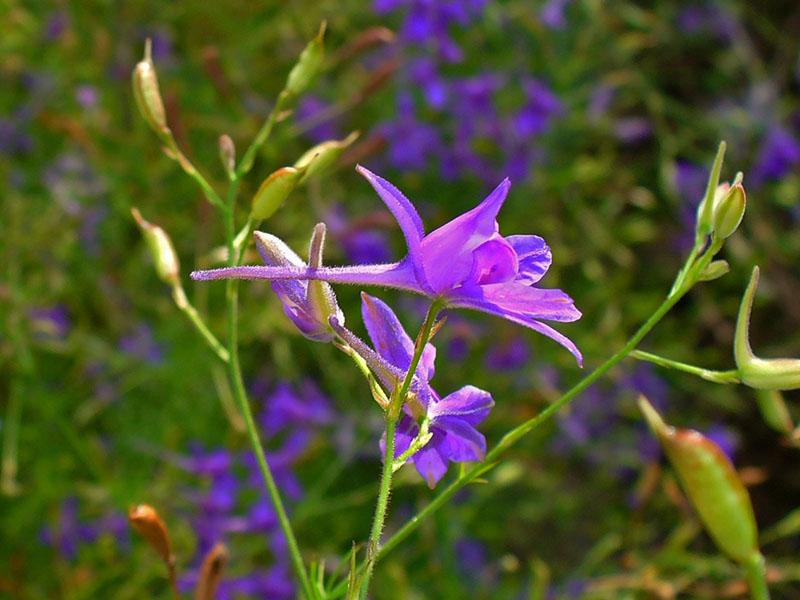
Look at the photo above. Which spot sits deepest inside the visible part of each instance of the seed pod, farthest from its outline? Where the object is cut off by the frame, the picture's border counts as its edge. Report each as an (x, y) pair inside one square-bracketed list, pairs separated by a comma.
[(729, 211), (760, 373), (227, 153), (211, 572), (712, 485), (308, 65), (321, 157), (146, 521), (273, 191), (148, 95), (161, 249)]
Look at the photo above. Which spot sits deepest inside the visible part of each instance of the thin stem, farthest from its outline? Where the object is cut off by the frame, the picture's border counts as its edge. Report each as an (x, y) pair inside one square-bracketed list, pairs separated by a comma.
[(756, 575), (11, 421), (182, 302), (235, 374), (250, 154), (722, 377), (392, 416)]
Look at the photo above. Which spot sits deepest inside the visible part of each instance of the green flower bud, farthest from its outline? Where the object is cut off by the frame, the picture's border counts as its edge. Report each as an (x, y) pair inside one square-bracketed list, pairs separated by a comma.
[(273, 191), (148, 96), (715, 270), (729, 211), (712, 485), (320, 293), (161, 249), (227, 154), (705, 211), (321, 157), (760, 373), (308, 65), (774, 410)]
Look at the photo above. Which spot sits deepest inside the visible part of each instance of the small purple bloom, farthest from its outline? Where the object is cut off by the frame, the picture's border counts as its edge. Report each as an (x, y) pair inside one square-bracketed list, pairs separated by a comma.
[(86, 95), (140, 344), (285, 407), (779, 154), (50, 323), (466, 263), (552, 14), (452, 419)]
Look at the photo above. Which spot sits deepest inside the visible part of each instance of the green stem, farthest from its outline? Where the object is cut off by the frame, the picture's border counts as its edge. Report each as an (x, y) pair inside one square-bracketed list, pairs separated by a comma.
[(392, 416), (11, 421), (235, 374), (722, 377), (756, 575), (182, 302), (250, 154), (515, 434)]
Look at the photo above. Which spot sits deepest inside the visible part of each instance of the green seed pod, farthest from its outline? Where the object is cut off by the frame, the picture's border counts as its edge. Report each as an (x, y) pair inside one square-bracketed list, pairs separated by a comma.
[(729, 211), (308, 65), (148, 95), (161, 249), (774, 410), (323, 156), (712, 485), (273, 191), (760, 373), (715, 270)]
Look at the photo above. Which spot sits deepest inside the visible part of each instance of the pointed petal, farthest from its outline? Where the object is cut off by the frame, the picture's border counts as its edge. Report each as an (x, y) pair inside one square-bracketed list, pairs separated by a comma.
[(469, 404), (534, 257), (403, 211), (429, 462), (395, 275), (493, 262), (447, 251), (521, 319), (391, 340), (539, 303)]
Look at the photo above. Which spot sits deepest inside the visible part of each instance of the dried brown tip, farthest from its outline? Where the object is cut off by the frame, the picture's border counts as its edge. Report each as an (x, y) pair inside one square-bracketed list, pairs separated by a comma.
[(151, 527), (211, 572)]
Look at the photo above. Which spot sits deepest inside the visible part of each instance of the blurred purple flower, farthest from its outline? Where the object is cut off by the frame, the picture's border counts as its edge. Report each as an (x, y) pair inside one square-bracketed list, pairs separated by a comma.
[(552, 13), (308, 116), (86, 95), (71, 532), (465, 262), (50, 323), (287, 407), (141, 345), (779, 154), (508, 355)]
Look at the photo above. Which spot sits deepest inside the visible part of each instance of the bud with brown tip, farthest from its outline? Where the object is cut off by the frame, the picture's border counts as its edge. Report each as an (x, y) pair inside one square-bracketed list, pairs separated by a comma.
[(211, 572), (148, 96)]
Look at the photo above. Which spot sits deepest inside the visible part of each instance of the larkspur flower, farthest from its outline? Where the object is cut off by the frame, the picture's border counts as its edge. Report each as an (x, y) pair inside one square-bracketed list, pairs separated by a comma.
[(452, 419), (465, 263)]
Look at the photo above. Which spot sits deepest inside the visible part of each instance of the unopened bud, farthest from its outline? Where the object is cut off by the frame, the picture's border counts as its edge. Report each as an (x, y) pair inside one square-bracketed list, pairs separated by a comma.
[(211, 572), (705, 212), (227, 153), (729, 211), (161, 249), (715, 270), (760, 373), (273, 191), (712, 485), (320, 293), (148, 96), (146, 521), (321, 157), (308, 65)]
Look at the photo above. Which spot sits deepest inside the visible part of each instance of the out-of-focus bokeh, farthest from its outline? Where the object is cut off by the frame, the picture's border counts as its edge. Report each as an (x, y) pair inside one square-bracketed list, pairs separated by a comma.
[(606, 117)]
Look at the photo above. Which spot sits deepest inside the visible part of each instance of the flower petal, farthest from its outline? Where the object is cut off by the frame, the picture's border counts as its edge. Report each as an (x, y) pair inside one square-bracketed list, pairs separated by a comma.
[(391, 340), (493, 261), (539, 303), (404, 212), (447, 251), (429, 461), (534, 257), (521, 319), (462, 443), (470, 404)]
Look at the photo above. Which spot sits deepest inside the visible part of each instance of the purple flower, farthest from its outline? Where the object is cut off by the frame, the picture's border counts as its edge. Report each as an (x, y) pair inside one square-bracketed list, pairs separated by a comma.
[(452, 419), (552, 14), (140, 344), (779, 153), (307, 304), (50, 323), (285, 407), (466, 263)]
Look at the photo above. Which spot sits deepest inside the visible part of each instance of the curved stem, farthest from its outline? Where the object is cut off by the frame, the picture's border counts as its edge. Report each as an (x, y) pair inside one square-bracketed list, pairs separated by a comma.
[(722, 377), (182, 302), (235, 374), (392, 416)]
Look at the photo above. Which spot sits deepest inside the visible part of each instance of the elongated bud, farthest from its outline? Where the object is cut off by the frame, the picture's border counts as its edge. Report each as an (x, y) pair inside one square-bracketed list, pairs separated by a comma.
[(161, 249), (308, 65), (715, 270), (760, 373), (211, 572), (227, 153), (321, 157), (712, 485), (705, 212), (146, 521), (729, 211), (273, 191), (148, 95), (320, 293), (774, 411)]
